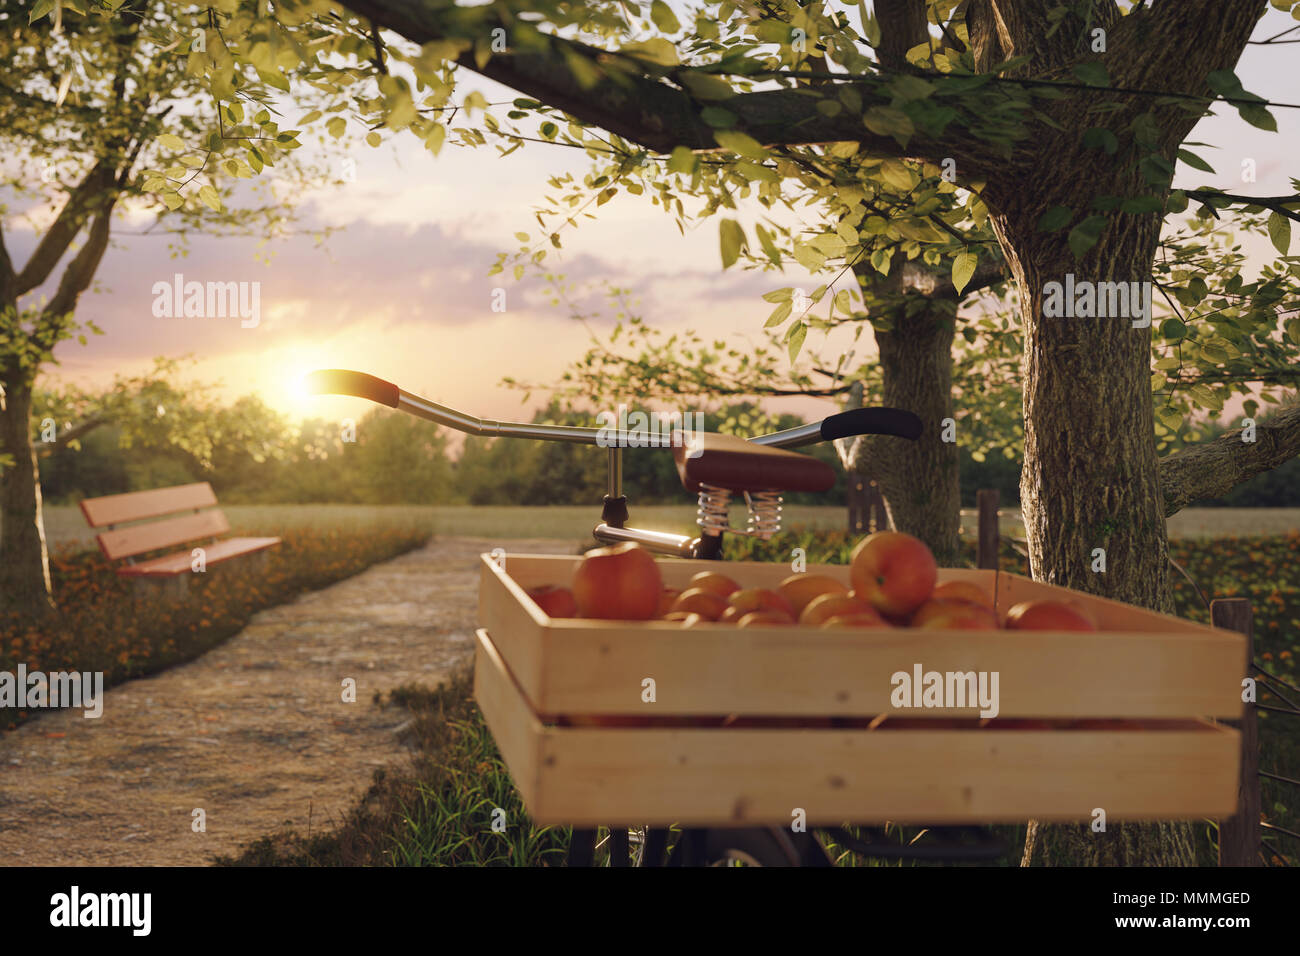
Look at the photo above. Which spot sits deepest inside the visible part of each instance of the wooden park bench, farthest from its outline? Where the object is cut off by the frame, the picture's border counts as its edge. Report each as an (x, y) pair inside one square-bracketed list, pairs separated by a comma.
[(187, 523)]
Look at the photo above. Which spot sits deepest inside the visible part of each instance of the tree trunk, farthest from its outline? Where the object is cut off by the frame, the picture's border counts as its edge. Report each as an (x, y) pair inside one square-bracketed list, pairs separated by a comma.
[(919, 479), (24, 560), (1089, 489)]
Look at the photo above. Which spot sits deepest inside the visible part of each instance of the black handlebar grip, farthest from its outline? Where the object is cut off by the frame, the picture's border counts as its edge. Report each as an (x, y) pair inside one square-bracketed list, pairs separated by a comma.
[(872, 421), (342, 381)]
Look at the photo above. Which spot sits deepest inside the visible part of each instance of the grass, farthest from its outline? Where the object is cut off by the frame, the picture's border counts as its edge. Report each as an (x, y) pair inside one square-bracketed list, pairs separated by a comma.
[(65, 525), (439, 811), (103, 626)]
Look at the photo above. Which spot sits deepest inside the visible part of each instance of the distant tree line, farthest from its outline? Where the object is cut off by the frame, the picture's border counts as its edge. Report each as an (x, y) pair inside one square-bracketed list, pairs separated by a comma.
[(258, 457)]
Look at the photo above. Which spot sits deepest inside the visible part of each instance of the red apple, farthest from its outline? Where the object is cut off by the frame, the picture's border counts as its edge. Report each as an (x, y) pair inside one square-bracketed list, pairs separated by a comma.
[(802, 589), (963, 591), (554, 601), (759, 599), (619, 583), (707, 604), (822, 609), (860, 619), (666, 598), (955, 615), (765, 619), (719, 584), (1048, 616), (894, 572)]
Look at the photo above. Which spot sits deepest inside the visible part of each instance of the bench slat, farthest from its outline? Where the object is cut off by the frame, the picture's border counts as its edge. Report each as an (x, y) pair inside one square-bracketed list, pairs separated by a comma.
[(137, 539), (116, 509), (179, 563)]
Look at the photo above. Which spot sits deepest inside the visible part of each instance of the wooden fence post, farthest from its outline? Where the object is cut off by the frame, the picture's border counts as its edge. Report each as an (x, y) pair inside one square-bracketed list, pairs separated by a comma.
[(876, 517), (857, 495), (986, 500), (1239, 836)]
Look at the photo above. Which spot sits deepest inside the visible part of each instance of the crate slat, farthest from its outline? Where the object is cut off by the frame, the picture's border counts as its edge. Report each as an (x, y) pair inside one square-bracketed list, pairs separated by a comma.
[(1145, 665), (718, 777)]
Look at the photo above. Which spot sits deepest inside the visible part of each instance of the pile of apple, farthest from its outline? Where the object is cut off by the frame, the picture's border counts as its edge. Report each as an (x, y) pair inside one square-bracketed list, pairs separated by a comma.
[(894, 578)]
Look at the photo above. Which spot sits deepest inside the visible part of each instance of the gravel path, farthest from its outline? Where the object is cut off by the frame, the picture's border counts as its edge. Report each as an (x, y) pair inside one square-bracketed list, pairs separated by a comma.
[(255, 733)]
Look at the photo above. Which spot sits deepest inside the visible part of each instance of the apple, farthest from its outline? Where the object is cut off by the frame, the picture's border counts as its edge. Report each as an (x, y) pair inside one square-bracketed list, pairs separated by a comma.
[(893, 571), (719, 584), (955, 615), (759, 599), (620, 583), (1048, 616), (666, 598), (822, 609), (684, 618), (554, 601), (765, 619), (707, 604), (860, 619), (963, 591), (801, 589)]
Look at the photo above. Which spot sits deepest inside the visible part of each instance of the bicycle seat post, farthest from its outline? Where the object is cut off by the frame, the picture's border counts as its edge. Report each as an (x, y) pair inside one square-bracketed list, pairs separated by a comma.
[(614, 511)]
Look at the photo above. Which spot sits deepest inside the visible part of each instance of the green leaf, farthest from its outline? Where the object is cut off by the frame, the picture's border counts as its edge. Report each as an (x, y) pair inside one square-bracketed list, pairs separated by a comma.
[(1279, 232), (1058, 217), (1257, 116), (1085, 235), (1141, 205), (706, 86), (210, 198), (41, 8), (740, 143), (682, 160), (172, 200), (1224, 82), (1172, 330), (1293, 330), (374, 139), (896, 175), (1092, 73), (798, 332), (1194, 161), (1169, 416), (769, 247), (733, 238), (663, 17), (1098, 138), (717, 117), (889, 121), (336, 126), (779, 295), (170, 141), (963, 267), (779, 315)]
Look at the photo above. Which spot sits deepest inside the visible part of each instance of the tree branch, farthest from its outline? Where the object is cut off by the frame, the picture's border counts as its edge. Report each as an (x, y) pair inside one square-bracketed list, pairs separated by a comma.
[(75, 280), (1214, 468), (79, 207), (627, 100)]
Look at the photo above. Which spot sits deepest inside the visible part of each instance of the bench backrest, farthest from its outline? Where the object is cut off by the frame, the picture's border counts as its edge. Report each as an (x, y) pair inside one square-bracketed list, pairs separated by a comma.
[(139, 505)]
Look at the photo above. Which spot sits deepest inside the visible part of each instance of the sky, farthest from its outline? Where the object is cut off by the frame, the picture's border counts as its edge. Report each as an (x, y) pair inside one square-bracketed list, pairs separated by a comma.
[(401, 289)]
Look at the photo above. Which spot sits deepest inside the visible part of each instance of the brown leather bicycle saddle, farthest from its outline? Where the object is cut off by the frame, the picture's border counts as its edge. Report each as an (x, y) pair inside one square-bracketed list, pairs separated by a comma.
[(726, 461)]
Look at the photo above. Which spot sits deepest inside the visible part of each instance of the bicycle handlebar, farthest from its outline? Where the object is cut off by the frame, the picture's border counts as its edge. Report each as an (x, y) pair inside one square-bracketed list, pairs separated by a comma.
[(858, 421)]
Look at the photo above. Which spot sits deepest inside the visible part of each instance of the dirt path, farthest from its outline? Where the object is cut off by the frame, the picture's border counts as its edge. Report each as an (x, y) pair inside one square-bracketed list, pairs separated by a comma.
[(255, 732)]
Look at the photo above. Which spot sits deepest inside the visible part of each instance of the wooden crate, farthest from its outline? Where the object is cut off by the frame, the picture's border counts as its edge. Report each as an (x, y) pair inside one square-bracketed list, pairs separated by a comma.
[(1114, 719)]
